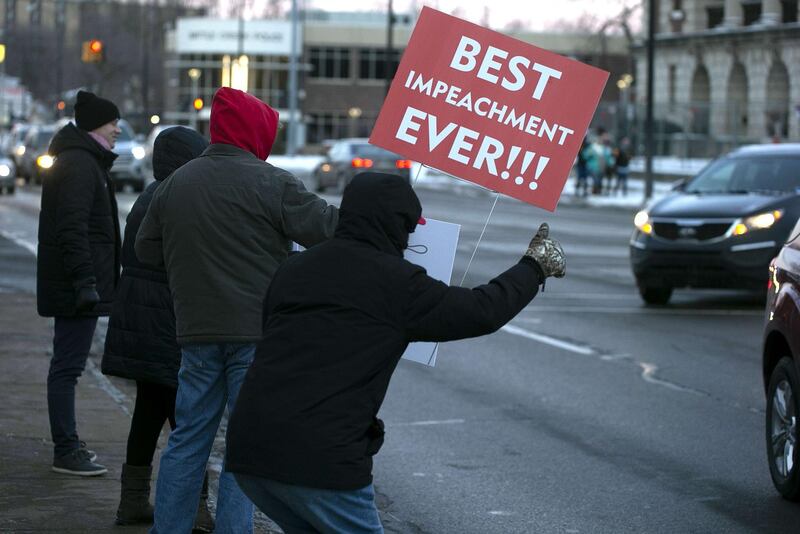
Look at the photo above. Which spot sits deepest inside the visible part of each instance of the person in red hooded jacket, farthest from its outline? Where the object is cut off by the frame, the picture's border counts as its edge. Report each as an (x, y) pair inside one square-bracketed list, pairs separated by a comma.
[(220, 226)]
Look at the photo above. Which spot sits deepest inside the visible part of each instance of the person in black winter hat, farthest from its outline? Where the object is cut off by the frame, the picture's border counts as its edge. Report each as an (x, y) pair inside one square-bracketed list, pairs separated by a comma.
[(141, 344), (77, 263), (336, 320)]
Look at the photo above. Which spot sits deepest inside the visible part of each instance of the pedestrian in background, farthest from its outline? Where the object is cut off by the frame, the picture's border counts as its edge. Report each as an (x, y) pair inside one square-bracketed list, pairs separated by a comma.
[(77, 263), (141, 344), (221, 225), (622, 159), (337, 319), (582, 170)]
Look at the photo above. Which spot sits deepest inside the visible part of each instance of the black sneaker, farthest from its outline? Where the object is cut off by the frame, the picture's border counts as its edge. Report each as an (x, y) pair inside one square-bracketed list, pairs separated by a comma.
[(92, 455), (78, 462)]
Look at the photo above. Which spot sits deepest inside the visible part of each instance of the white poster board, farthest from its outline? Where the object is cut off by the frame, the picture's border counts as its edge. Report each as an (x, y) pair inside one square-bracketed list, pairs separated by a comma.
[(432, 246)]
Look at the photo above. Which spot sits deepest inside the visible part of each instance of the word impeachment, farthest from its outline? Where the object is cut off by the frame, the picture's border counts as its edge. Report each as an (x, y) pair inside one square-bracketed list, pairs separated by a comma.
[(486, 107)]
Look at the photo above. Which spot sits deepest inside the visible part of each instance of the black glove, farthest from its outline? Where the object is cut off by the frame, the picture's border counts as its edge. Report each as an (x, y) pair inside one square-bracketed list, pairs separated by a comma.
[(87, 298), (547, 253)]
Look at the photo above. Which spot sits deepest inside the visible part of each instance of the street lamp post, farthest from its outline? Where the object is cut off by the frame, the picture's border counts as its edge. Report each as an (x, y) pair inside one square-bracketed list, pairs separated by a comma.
[(194, 74), (291, 134), (648, 122)]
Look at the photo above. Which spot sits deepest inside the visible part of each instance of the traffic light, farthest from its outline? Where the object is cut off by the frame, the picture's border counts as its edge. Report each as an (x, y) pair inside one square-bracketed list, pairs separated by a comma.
[(92, 51), (198, 104)]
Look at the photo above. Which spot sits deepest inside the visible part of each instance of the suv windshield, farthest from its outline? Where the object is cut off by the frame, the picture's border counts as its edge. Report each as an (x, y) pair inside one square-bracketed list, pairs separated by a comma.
[(775, 174)]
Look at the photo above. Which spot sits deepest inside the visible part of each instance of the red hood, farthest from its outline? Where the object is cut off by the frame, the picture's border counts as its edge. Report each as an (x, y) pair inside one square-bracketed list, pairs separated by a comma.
[(242, 120)]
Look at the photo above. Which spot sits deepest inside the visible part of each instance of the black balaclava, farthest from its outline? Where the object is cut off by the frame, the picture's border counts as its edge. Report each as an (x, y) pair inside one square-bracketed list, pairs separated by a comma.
[(379, 209)]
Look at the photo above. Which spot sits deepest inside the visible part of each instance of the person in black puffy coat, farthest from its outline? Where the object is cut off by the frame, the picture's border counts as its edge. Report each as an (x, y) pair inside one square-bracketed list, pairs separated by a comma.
[(77, 264), (141, 343), (337, 318)]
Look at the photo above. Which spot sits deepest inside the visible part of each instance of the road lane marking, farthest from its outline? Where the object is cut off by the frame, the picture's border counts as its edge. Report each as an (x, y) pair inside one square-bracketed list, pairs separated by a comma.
[(648, 371), (429, 423), (115, 393), (27, 245), (547, 340), (644, 311)]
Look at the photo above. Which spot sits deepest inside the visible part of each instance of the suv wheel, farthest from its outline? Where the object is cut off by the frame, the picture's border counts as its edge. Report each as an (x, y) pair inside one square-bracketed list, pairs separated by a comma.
[(655, 294), (783, 406)]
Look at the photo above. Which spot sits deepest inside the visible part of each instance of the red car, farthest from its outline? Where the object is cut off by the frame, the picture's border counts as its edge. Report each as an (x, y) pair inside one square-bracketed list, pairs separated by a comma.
[(781, 366)]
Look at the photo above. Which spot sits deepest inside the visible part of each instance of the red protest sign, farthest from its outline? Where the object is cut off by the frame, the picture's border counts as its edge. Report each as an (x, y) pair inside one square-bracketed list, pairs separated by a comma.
[(489, 108)]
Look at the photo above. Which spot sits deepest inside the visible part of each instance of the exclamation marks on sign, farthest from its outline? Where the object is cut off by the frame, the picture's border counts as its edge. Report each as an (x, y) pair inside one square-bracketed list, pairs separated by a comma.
[(512, 157), (541, 165)]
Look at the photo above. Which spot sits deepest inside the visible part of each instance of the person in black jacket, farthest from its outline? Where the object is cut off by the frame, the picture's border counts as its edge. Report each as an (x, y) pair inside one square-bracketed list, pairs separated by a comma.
[(141, 344), (78, 263), (337, 318)]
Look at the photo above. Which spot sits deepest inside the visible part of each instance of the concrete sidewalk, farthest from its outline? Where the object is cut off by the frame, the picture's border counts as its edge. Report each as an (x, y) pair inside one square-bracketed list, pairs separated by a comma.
[(32, 497)]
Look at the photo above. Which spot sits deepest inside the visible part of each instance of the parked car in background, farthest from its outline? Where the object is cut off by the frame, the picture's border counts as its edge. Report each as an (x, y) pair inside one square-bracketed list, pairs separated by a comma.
[(128, 168), (8, 175), (35, 161), (15, 142), (348, 157), (781, 367), (721, 228)]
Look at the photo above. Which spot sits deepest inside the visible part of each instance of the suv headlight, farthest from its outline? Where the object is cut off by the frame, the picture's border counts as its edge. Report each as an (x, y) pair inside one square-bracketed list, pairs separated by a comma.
[(5, 170), (761, 221), (138, 152), (45, 161), (643, 222)]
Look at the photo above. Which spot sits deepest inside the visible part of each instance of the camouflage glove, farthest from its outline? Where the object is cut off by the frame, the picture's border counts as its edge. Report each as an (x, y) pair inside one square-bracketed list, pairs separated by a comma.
[(547, 253)]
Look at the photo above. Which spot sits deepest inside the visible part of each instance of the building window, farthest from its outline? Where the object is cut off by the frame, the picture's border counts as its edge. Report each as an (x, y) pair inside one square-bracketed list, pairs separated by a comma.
[(715, 16), (372, 63), (788, 11), (671, 83), (752, 12), (330, 63), (324, 126)]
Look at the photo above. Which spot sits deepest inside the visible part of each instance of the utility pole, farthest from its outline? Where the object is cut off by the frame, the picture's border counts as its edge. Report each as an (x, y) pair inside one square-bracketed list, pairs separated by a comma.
[(61, 16), (648, 122), (389, 47), (291, 134)]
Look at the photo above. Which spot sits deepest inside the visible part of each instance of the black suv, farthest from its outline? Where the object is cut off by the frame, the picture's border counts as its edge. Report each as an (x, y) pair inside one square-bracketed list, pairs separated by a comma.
[(721, 228)]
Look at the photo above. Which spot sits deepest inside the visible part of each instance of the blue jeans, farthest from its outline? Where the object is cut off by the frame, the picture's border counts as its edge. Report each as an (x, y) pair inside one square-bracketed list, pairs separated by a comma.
[(71, 344), (210, 376), (301, 510)]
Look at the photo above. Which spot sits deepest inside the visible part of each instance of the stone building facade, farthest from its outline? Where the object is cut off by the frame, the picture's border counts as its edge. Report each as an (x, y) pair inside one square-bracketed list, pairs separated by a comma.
[(726, 72)]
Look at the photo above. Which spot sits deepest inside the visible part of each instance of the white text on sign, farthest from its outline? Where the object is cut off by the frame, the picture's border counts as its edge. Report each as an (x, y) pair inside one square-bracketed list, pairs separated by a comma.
[(465, 59), (462, 142)]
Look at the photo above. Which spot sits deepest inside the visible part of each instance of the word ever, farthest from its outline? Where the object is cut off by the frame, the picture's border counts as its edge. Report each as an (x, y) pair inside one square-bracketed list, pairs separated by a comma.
[(462, 149)]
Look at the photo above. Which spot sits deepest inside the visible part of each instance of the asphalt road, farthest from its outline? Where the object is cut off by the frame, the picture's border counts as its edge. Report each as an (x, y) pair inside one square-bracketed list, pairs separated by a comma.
[(589, 413)]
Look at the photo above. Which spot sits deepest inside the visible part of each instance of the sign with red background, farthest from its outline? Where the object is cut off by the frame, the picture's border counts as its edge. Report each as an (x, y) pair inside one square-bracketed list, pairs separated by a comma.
[(488, 108)]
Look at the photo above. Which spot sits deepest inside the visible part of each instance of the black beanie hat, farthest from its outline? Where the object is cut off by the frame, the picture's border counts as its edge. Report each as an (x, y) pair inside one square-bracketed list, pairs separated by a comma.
[(91, 111)]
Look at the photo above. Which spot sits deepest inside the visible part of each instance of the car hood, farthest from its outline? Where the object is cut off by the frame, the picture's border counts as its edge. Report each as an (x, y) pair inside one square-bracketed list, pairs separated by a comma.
[(722, 205), (124, 147)]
